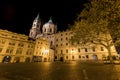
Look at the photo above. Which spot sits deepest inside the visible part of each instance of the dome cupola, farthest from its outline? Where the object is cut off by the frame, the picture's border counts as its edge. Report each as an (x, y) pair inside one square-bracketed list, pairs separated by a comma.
[(49, 27)]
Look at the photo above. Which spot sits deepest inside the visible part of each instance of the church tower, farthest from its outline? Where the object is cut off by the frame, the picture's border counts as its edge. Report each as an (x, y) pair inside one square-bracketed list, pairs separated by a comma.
[(35, 28)]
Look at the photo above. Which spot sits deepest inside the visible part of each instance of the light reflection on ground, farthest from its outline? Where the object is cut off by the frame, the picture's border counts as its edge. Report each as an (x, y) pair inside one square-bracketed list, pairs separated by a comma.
[(59, 71)]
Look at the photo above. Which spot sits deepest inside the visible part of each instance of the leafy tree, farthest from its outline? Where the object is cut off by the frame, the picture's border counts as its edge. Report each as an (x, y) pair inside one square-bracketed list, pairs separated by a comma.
[(96, 22)]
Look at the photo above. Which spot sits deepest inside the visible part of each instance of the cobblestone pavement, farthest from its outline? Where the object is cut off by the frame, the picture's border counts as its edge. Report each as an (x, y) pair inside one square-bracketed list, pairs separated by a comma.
[(59, 71)]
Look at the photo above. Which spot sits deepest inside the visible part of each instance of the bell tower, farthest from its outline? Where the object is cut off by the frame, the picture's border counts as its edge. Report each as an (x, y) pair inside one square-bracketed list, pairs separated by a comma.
[(35, 28)]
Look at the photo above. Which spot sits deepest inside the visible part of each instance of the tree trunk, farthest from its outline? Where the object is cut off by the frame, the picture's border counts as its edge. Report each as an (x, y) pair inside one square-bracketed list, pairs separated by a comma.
[(110, 54)]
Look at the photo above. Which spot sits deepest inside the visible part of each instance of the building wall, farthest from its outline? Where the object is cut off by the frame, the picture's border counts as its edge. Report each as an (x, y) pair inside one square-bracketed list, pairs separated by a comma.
[(17, 48), (64, 50), (42, 52)]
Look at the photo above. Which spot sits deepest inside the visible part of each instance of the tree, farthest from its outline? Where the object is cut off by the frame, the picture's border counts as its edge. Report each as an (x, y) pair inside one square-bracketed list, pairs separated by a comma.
[(98, 21)]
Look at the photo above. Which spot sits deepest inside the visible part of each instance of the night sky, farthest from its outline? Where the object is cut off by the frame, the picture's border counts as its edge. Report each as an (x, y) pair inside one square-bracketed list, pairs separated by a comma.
[(18, 15)]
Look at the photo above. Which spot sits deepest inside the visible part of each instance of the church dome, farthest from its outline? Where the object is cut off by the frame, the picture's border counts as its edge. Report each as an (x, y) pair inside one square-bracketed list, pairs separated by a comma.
[(49, 27)]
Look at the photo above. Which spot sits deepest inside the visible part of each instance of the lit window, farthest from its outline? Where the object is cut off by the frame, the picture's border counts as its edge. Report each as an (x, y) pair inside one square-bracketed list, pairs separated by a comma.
[(79, 56), (72, 57), (56, 39), (0, 49), (86, 50), (93, 49), (66, 57), (102, 49), (56, 45), (66, 38), (66, 44), (87, 56), (61, 51), (66, 50), (78, 49)]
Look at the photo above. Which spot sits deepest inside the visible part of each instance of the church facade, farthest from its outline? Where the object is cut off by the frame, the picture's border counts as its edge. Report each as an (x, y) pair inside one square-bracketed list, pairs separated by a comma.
[(45, 44)]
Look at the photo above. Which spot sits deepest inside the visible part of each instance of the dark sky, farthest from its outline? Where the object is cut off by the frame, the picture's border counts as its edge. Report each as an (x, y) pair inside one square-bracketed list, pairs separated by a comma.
[(18, 15)]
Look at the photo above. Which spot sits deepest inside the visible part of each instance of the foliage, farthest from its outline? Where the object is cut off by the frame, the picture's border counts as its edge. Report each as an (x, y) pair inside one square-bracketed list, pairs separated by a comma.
[(96, 22), (97, 18)]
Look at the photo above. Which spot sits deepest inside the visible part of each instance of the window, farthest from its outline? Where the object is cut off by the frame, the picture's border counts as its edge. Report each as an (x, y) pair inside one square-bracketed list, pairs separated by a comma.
[(55, 57), (102, 49), (61, 44), (78, 42), (20, 44), (11, 43), (87, 56), (66, 57), (56, 39), (2, 41), (61, 34), (72, 57), (56, 45), (79, 56), (9, 50), (93, 49), (66, 50), (29, 52), (66, 44), (61, 51), (19, 51), (86, 50), (78, 49), (61, 39), (44, 30), (1, 49), (34, 25), (66, 38)]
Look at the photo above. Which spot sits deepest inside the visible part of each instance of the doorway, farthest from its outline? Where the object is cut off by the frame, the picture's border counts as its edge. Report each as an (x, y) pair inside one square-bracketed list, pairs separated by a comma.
[(6, 59)]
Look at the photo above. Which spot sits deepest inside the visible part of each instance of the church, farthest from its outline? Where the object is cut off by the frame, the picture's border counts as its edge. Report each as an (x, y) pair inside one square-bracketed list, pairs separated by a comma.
[(45, 44)]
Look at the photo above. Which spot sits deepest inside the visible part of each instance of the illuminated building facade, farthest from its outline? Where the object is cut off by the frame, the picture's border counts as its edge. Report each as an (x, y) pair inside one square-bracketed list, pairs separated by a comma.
[(17, 48), (59, 42), (45, 44)]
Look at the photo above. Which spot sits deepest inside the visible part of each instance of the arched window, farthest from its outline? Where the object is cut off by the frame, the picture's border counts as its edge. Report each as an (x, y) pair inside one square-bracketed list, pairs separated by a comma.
[(45, 30)]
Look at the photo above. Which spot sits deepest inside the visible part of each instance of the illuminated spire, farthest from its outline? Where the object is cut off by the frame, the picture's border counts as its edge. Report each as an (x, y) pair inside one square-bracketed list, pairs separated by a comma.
[(50, 20), (37, 16)]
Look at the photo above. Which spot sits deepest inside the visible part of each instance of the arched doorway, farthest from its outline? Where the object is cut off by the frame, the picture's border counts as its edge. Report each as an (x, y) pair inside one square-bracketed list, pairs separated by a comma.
[(6, 59), (61, 58), (95, 57), (45, 59), (27, 60)]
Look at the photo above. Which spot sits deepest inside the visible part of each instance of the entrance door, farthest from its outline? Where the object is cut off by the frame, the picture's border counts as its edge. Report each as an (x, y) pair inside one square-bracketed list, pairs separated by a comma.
[(45, 59), (27, 60), (61, 58), (95, 57), (6, 59)]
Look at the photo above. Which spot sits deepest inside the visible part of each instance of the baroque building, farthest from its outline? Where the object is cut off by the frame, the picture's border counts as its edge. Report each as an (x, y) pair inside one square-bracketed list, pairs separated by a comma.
[(63, 50), (44, 44)]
